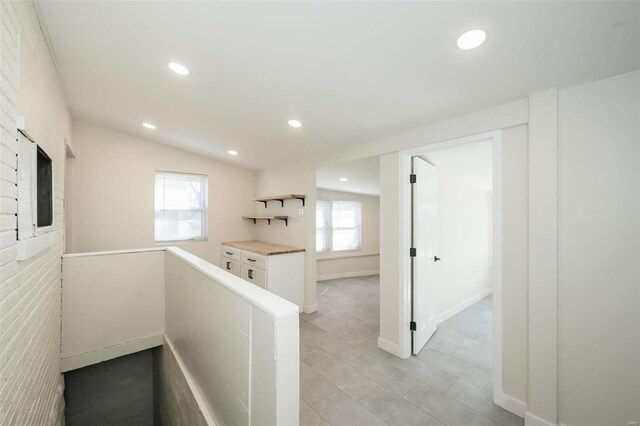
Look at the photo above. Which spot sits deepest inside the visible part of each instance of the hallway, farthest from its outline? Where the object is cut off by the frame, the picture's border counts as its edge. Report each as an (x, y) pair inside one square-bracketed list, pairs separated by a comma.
[(345, 379)]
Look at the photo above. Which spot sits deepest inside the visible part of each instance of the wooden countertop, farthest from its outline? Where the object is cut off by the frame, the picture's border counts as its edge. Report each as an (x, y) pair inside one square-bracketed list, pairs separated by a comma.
[(263, 248)]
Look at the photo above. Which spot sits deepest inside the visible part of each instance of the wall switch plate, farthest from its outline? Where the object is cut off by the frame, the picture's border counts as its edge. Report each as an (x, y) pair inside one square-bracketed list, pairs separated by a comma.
[(300, 212)]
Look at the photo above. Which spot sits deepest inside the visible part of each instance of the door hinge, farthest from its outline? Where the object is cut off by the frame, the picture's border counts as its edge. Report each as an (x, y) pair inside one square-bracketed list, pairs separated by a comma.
[(412, 326), (412, 178), (413, 252)]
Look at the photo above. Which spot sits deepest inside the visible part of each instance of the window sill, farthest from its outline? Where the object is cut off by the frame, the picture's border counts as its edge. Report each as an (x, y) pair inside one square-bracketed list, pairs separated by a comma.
[(342, 254), (172, 243), (30, 247)]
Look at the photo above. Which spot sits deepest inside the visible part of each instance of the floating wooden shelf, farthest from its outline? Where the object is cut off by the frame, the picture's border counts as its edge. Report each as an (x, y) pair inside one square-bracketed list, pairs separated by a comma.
[(268, 219), (281, 198)]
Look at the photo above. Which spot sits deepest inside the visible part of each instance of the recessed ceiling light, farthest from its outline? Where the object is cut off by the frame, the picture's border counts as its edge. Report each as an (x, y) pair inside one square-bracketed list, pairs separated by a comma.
[(295, 123), (232, 152), (471, 39), (178, 68), (343, 179), (149, 126)]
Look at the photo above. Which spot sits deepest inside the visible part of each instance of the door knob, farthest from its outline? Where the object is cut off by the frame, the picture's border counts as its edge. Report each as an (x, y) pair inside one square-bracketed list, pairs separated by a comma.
[(436, 259)]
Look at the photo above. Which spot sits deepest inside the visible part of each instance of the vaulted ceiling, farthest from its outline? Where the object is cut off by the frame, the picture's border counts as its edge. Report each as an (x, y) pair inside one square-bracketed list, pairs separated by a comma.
[(349, 71)]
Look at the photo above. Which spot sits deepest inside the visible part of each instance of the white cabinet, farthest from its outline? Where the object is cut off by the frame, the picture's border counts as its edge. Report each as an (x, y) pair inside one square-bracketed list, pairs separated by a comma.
[(232, 266), (279, 273), (254, 275), (231, 252)]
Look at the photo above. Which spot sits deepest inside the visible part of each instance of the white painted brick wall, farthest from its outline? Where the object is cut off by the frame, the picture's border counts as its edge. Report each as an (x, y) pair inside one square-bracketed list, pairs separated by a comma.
[(31, 385)]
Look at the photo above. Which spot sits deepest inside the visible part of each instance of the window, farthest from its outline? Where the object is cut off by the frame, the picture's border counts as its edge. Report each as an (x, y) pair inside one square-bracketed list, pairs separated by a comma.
[(181, 207), (44, 189), (338, 225), (35, 189)]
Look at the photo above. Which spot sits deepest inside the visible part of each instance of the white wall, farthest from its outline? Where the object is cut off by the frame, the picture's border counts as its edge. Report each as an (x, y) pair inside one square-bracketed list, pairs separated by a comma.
[(365, 261), (301, 229), (599, 252), (515, 210), (113, 193), (463, 236), (235, 343), (31, 385), (391, 290), (238, 343), (113, 305)]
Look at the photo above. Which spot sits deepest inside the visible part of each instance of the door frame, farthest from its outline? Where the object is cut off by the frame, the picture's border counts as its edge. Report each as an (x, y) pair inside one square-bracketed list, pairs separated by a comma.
[(405, 245)]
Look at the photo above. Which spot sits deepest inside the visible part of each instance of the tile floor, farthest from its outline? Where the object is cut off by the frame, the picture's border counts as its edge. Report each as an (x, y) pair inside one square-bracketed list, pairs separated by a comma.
[(345, 379)]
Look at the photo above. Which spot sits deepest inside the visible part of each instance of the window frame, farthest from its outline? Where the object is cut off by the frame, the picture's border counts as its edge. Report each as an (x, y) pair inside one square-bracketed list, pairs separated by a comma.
[(328, 228), (204, 209), (27, 210)]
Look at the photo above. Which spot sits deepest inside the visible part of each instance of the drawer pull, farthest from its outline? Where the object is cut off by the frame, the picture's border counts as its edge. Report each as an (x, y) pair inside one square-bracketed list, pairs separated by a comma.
[(250, 274), (250, 259), (229, 266), (229, 253)]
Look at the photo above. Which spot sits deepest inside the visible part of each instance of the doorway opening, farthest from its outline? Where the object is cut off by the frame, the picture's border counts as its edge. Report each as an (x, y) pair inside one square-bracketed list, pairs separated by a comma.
[(452, 232), (348, 248)]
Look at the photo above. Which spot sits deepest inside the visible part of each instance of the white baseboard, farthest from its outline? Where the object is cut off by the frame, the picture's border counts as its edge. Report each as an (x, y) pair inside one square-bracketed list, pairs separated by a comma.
[(511, 404), (388, 346), (533, 420), (309, 309), (348, 275), (111, 352), (462, 305)]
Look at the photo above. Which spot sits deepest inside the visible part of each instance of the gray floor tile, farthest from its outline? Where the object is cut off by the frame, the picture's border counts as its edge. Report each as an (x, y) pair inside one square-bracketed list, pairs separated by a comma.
[(310, 331), (309, 416), (315, 389), (336, 346), (448, 340), (477, 353), (384, 374), (345, 377), (460, 369), (445, 408), (334, 326), (310, 352), (307, 372), (424, 372), (339, 409), (481, 400), (473, 325), (489, 386), (443, 345), (394, 410), (339, 350)]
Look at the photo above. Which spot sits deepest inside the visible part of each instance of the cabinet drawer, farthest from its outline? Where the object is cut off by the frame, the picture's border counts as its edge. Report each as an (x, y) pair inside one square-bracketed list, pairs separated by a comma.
[(254, 259), (254, 275), (231, 252), (230, 265)]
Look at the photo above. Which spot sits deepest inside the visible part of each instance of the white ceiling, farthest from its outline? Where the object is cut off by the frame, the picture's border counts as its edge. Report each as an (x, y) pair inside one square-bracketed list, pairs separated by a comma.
[(471, 162), (350, 71), (363, 175)]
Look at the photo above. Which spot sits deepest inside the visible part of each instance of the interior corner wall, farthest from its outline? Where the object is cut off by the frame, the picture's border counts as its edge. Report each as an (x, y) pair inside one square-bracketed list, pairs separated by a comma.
[(31, 386), (353, 263), (599, 252), (462, 242), (390, 233), (301, 230), (515, 287), (113, 185)]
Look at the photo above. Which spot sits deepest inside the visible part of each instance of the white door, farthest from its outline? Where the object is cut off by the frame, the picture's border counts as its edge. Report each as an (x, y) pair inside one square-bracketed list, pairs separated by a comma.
[(423, 263)]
